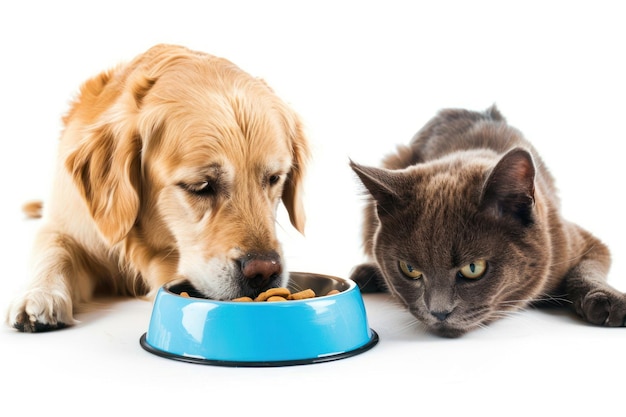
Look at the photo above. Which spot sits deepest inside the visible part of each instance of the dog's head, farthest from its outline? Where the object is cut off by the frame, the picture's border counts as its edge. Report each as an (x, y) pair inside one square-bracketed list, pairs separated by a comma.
[(190, 159)]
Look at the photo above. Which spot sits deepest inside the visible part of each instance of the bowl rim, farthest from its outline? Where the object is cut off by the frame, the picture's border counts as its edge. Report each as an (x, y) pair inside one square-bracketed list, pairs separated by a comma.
[(350, 286)]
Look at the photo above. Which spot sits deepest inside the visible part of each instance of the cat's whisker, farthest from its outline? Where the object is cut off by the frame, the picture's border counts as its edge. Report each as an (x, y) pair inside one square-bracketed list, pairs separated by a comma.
[(531, 302), (522, 320), (295, 287), (404, 323), (558, 300), (482, 326), (516, 303), (498, 294), (575, 258), (409, 324), (508, 313)]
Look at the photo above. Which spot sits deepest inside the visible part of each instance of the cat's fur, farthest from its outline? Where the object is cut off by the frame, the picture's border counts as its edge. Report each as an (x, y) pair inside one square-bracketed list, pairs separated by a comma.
[(468, 188)]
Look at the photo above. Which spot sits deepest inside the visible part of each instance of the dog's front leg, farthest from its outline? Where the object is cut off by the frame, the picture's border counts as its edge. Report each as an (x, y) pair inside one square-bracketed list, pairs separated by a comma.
[(60, 282)]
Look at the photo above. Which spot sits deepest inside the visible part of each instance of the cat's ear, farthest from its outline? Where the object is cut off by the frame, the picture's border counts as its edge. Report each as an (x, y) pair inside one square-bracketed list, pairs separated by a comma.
[(382, 184), (509, 189)]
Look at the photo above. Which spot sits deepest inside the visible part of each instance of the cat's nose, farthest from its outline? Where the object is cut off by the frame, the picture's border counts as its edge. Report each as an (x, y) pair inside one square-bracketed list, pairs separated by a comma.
[(440, 315)]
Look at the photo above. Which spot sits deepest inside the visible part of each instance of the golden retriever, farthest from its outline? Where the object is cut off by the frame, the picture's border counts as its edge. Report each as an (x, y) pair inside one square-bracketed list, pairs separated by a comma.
[(169, 167)]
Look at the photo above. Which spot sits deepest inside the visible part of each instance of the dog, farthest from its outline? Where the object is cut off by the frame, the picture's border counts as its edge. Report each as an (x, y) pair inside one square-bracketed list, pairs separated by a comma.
[(170, 167)]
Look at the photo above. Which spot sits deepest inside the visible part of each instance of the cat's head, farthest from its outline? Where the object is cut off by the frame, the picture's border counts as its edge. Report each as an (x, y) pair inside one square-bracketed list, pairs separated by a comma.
[(460, 240)]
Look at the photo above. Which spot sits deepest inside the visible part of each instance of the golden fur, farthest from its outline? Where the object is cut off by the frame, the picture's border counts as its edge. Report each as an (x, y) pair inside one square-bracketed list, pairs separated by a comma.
[(170, 167)]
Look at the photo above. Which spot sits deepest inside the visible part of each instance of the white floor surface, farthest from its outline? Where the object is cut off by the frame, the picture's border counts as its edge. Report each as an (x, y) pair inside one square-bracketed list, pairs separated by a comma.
[(365, 76)]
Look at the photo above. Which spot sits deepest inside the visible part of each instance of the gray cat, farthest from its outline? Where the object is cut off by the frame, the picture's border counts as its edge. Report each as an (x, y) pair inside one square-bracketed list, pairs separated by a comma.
[(463, 225)]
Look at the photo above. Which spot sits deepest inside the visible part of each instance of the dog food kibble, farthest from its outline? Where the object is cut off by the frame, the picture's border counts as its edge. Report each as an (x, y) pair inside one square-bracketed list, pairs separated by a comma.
[(302, 295), (243, 299), (280, 292), (276, 294), (283, 294)]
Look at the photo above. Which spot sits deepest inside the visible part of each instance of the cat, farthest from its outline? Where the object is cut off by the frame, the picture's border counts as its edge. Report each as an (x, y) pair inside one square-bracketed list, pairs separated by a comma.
[(463, 226)]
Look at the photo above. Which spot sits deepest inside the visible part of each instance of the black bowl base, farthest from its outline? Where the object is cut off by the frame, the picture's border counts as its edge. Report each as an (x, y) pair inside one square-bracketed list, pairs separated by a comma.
[(259, 364)]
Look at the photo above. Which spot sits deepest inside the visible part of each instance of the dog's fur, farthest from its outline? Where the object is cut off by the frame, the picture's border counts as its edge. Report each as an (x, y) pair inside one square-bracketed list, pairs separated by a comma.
[(170, 167)]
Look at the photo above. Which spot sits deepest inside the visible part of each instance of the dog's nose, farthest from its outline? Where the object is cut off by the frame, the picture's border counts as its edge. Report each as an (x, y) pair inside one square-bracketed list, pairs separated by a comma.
[(259, 269)]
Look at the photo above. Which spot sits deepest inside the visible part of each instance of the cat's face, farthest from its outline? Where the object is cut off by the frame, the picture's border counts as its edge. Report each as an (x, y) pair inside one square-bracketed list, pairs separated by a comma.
[(459, 242)]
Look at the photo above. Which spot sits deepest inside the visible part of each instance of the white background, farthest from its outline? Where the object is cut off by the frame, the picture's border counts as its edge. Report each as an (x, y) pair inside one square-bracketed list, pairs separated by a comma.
[(364, 76)]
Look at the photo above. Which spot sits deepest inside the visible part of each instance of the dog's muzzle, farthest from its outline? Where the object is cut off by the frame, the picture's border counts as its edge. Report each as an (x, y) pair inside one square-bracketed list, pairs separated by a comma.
[(259, 270)]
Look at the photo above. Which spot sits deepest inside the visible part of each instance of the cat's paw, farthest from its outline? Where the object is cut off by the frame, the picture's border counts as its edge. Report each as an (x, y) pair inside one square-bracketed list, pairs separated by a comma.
[(39, 310), (368, 278), (603, 308)]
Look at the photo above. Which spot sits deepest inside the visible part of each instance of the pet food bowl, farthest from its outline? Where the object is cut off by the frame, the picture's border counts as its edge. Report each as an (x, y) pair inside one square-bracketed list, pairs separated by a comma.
[(231, 333)]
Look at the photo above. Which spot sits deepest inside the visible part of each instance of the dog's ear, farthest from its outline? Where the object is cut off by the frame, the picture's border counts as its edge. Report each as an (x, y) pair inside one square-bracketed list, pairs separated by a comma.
[(106, 165), (106, 170), (292, 192)]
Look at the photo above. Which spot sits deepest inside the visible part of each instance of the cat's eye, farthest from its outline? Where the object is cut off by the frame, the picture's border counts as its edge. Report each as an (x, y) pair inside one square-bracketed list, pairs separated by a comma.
[(473, 270), (409, 270)]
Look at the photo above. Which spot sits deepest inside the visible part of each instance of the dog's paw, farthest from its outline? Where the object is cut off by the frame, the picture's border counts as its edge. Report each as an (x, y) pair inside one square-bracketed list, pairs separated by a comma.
[(39, 311), (604, 308)]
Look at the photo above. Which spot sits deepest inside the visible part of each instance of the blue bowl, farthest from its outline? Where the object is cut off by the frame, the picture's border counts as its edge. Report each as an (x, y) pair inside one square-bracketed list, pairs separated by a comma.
[(228, 333)]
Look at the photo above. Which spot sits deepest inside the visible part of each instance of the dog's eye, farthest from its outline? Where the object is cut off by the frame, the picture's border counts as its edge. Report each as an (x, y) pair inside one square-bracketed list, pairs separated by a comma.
[(204, 188), (273, 179)]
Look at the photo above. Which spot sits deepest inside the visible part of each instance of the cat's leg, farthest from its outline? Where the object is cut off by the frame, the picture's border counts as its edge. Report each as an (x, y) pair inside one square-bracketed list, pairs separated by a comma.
[(592, 297), (369, 278)]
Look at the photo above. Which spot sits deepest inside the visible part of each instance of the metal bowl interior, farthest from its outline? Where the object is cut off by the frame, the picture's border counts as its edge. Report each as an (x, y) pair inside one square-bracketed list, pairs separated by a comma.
[(298, 281)]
